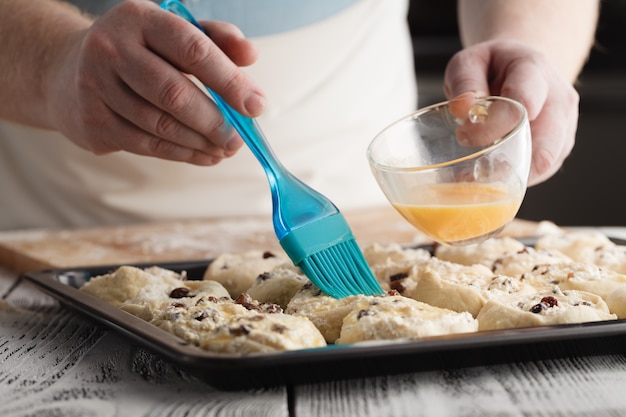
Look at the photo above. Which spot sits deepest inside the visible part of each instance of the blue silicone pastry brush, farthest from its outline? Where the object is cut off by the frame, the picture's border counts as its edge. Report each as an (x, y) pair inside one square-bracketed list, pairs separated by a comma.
[(309, 227)]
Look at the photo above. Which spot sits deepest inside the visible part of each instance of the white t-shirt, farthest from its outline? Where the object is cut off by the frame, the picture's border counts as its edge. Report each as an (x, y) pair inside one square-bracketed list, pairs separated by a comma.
[(331, 87)]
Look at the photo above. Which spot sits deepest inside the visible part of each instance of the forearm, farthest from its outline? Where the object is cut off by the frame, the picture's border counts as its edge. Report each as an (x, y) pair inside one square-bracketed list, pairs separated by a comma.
[(563, 30), (34, 34)]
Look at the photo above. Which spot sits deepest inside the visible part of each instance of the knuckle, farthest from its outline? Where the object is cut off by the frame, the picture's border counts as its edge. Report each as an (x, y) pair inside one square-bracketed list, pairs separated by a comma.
[(159, 147), (235, 82), (196, 51), (175, 97), (167, 126)]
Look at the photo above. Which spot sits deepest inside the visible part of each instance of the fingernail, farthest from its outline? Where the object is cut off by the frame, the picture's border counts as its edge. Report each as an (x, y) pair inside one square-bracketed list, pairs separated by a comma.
[(255, 104)]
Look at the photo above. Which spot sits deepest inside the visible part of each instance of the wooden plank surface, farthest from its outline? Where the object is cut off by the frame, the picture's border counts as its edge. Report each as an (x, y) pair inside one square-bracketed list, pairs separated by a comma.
[(53, 362), (574, 387), (185, 240)]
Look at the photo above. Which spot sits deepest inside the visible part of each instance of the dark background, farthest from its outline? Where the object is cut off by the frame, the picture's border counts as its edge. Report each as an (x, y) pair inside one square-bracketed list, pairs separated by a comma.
[(590, 188)]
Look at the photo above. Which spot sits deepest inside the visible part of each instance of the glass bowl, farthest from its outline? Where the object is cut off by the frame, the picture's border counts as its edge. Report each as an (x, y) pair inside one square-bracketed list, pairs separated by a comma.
[(457, 170)]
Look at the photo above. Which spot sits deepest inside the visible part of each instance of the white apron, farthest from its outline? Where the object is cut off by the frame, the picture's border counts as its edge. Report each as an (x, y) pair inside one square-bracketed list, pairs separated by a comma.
[(331, 87)]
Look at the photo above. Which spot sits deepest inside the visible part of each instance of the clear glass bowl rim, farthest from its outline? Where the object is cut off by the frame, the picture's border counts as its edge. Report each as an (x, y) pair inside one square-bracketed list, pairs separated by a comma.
[(496, 144)]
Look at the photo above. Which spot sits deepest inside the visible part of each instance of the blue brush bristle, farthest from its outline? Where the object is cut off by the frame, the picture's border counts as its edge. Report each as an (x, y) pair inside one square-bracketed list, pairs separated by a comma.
[(341, 270)]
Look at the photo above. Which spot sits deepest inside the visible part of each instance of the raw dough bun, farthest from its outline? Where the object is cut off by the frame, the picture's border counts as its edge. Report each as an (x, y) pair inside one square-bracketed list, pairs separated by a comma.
[(617, 302), (543, 308), (395, 267), (278, 286), (262, 333), (396, 317), (203, 313), (237, 272), (517, 263), (484, 253), (576, 276), (242, 326), (464, 288), (589, 246), (379, 255), (126, 282), (326, 312)]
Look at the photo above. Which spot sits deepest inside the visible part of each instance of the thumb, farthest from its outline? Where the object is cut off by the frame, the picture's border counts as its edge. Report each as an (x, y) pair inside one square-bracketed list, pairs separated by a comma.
[(466, 72)]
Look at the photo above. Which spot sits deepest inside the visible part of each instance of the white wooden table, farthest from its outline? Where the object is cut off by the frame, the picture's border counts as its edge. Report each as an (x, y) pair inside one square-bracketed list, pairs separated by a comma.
[(54, 362)]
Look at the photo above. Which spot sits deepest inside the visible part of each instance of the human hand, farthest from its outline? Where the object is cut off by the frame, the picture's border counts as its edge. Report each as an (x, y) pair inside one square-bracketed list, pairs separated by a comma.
[(122, 85), (511, 69)]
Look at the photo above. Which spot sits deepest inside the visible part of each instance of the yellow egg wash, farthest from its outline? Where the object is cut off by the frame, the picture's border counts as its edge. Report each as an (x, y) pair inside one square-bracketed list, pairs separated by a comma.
[(456, 212)]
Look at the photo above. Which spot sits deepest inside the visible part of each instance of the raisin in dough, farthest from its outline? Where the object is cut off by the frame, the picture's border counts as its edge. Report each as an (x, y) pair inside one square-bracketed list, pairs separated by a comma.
[(396, 317), (544, 308), (237, 271)]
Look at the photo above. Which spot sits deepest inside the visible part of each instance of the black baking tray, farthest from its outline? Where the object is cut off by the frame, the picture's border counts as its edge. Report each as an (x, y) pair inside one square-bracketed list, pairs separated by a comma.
[(368, 359)]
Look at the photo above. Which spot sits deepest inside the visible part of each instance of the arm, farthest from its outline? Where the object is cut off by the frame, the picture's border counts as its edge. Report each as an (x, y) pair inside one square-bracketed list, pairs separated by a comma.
[(562, 30), (119, 83), (531, 51), (33, 33)]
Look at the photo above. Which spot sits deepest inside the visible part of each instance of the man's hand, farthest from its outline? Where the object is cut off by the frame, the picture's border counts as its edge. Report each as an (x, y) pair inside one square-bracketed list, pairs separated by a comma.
[(512, 69), (122, 85)]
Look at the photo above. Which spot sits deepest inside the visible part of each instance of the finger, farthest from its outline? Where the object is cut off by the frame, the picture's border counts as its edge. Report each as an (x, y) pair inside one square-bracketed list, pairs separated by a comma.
[(487, 121), (553, 134), (466, 72), (460, 105), (110, 132), (231, 40), (191, 51), (127, 104), (174, 94), (123, 135), (552, 108), (526, 83)]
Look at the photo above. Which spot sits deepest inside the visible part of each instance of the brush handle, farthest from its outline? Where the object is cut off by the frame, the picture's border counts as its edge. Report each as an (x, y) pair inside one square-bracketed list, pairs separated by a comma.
[(248, 128), (294, 203)]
